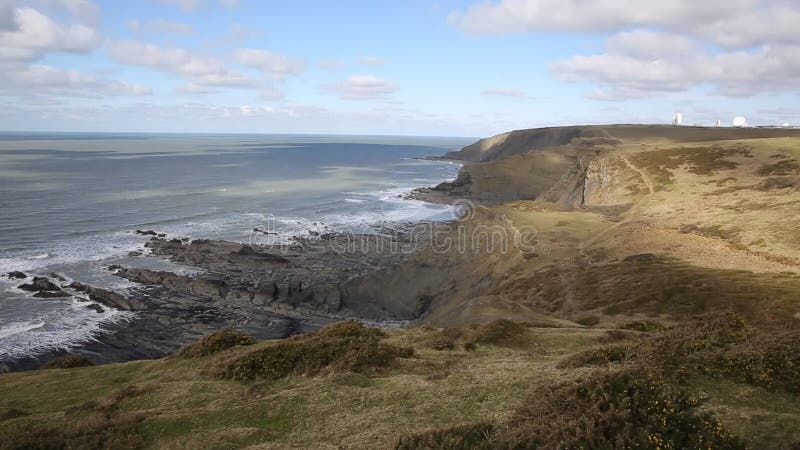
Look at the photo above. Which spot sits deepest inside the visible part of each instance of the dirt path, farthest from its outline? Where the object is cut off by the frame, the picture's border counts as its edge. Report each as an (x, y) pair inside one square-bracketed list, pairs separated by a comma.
[(633, 213), (645, 177)]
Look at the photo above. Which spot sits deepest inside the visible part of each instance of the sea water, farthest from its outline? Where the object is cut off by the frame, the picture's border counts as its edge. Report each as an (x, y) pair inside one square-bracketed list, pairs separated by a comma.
[(69, 203)]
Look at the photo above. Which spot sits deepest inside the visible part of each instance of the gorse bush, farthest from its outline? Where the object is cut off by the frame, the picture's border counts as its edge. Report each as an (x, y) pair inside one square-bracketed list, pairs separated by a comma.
[(460, 437), (645, 326), (601, 356), (216, 342), (500, 332), (68, 362), (344, 346), (612, 410), (722, 345)]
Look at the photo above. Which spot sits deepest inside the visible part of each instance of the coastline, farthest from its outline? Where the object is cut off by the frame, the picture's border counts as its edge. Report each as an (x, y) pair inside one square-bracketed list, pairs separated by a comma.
[(270, 291)]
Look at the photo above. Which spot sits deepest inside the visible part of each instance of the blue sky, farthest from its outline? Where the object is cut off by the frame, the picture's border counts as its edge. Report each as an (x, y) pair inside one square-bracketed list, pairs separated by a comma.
[(416, 67)]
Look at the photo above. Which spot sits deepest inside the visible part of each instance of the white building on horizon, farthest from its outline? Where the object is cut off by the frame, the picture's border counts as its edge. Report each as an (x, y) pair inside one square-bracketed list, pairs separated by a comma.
[(677, 119)]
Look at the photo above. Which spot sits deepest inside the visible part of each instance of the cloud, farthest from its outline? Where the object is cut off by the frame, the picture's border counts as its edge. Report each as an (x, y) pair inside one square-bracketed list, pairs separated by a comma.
[(274, 64), (41, 78), (271, 95), (160, 26), (185, 5), (372, 61), (32, 35), (363, 87), (730, 23), (505, 92), (199, 69), (230, 4), (83, 10), (640, 64)]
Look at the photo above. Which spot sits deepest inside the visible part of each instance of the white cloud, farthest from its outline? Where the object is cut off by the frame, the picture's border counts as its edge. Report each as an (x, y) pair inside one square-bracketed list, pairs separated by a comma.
[(199, 69), (734, 23), (160, 26), (505, 92), (363, 87), (194, 88), (274, 64), (33, 34), (641, 63), (372, 61), (83, 10), (41, 78), (186, 5), (271, 94)]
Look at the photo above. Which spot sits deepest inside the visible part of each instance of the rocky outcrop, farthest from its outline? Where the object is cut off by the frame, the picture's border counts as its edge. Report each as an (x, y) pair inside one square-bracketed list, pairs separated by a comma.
[(106, 297), (16, 275)]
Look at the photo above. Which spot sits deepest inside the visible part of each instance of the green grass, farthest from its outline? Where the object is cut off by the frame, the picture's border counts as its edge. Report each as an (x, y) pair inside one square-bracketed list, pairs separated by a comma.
[(180, 403)]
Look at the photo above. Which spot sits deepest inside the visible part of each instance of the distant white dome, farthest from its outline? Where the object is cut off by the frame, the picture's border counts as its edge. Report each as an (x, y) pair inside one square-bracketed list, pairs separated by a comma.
[(740, 121)]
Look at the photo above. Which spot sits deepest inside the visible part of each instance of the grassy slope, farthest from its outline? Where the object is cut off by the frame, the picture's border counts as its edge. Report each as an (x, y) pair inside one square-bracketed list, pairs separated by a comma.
[(653, 189), (184, 407)]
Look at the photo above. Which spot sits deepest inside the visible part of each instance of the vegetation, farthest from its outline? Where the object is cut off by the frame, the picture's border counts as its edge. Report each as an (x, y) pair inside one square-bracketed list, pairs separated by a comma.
[(68, 362), (216, 342), (324, 387), (343, 346)]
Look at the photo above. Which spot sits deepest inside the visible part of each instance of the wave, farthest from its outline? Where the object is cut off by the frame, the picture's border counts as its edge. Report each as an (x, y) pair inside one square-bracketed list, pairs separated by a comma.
[(58, 329)]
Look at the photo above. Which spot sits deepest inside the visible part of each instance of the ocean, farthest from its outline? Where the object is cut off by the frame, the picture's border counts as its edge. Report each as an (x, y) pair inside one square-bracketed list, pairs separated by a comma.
[(70, 202)]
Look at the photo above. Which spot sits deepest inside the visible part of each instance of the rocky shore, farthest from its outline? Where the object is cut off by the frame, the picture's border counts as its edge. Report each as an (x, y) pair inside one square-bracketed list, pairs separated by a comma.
[(267, 291)]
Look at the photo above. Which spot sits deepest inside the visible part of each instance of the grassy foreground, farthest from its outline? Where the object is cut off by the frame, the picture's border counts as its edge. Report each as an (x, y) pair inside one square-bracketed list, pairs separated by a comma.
[(499, 385)]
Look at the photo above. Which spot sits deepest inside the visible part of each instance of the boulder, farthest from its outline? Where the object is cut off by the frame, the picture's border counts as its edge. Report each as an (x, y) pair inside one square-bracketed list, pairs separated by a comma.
[(94, 306), (40, 284), (146, 233), (17, 275)]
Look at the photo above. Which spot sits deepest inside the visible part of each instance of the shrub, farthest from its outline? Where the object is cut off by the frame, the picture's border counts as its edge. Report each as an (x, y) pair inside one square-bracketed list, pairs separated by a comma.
[(588, 321), (612, 410), (601, 356), (216, 342), (500, 332), (344, 346), (67, 362), (12, 413), (645, 326), (460, 437)]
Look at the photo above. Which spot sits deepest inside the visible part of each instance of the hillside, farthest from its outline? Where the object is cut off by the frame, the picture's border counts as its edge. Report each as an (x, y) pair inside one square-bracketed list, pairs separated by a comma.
[(629, 286)]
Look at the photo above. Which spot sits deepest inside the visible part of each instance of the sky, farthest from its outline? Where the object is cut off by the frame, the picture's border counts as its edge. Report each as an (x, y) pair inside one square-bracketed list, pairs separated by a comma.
[(411, 67)]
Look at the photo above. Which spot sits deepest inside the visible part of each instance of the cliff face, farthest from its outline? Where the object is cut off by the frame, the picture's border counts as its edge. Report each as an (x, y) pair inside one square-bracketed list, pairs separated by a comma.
[(566, 165)]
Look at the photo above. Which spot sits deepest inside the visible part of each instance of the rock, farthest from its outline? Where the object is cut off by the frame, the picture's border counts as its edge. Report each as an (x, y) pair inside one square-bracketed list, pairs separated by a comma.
[(97, 308), (16, 275), (640, 257), (690, 228), (162, 235), (114, 267), (57, 277), (105, 297), (111, 299), (135, 253), (51, 294), (146, 233), (40, 284)]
